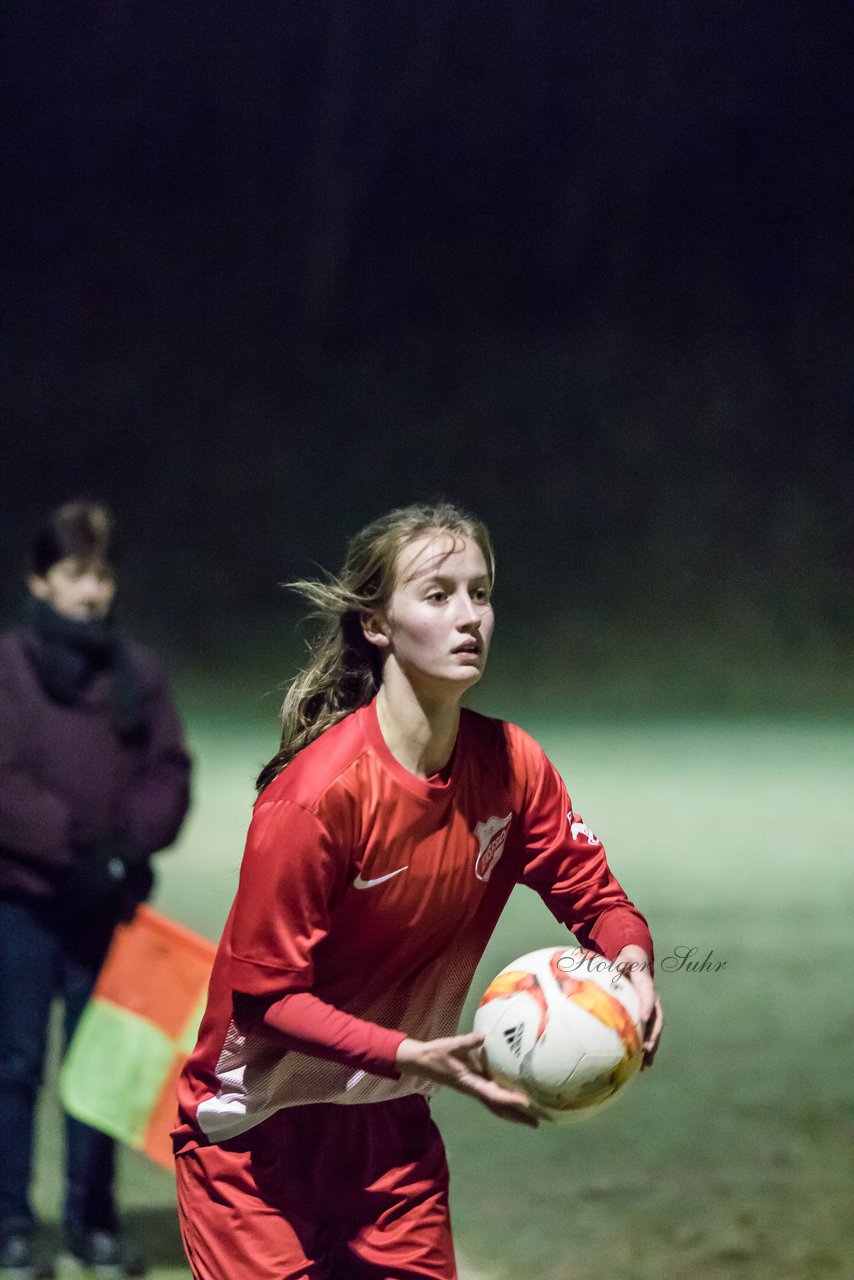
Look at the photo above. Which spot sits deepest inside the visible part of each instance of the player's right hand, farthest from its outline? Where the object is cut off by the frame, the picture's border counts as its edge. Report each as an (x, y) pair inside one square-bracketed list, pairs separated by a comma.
[(458, 1063)]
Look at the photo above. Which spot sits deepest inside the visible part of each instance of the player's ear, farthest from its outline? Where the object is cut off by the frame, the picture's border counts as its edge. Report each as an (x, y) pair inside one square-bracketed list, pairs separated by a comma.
[(375, 630)]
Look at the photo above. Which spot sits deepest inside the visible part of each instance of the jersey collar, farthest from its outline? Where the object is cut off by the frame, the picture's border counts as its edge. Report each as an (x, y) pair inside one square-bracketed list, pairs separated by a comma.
[(435, 788)]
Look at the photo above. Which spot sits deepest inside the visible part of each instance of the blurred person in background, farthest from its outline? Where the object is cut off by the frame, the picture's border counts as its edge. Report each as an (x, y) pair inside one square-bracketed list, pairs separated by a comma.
[(391, 827), (94, 779)]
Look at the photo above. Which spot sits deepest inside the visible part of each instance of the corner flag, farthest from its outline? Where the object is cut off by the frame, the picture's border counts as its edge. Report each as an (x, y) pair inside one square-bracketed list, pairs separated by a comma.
[(121, 1070)]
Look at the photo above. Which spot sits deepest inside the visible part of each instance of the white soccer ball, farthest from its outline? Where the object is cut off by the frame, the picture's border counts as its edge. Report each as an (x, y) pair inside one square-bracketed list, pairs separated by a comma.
[(564, 1025)]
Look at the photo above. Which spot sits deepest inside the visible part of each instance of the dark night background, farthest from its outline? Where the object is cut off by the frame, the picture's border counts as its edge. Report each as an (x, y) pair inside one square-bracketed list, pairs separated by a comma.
[(271, 269)]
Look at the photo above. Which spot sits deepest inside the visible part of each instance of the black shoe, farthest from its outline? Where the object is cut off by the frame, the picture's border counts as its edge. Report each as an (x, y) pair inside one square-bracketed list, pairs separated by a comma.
[(105, 1254), (19, 1260)]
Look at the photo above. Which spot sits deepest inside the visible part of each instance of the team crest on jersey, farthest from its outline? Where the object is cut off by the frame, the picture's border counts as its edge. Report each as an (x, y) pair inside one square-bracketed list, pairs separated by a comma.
[(577, 828), (491, 837)]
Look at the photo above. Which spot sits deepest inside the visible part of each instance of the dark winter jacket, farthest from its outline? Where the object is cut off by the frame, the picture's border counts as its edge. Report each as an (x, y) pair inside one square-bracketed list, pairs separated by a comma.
[(68, 778)]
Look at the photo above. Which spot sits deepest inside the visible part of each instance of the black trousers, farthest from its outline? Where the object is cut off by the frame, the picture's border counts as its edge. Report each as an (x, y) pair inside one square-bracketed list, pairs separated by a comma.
[(41, 959)]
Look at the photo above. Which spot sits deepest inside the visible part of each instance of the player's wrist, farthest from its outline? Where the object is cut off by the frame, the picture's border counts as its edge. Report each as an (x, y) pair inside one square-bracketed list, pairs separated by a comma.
[(408, 1052), (633, 957)]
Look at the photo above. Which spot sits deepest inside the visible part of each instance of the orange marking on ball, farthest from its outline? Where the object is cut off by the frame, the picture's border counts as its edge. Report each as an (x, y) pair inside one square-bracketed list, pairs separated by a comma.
[(609, 1011), (507, 984)]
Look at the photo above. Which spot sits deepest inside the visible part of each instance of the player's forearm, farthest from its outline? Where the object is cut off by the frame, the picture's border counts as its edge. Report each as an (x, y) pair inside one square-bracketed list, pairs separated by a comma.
[(306, 1024), (619, 926)]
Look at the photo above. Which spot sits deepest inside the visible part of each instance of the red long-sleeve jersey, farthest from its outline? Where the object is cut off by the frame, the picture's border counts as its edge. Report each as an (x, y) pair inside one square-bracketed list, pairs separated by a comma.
[(366, 898)]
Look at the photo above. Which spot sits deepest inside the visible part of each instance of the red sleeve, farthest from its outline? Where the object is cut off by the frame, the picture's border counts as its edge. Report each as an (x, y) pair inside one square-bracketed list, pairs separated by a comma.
[(292, 872), (566, 864), (303, 1022)]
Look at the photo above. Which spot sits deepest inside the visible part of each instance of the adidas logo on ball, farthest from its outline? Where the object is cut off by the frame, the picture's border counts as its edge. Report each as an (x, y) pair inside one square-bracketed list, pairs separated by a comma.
[(513, 1036)]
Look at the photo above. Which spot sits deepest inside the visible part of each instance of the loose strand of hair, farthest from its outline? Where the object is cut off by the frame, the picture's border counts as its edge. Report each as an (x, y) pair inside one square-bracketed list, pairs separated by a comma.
[(335, 681)]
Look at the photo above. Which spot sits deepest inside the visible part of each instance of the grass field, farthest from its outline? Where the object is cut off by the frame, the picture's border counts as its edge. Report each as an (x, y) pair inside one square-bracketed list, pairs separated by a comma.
[(730, 1160)]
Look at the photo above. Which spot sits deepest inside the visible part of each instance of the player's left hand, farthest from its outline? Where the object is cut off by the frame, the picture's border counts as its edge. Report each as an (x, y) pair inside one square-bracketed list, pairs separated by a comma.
[(635, 964)]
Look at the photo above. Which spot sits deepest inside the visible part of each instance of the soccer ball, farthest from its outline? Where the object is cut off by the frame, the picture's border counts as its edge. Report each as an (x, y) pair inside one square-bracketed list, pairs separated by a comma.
[(563, 1025)]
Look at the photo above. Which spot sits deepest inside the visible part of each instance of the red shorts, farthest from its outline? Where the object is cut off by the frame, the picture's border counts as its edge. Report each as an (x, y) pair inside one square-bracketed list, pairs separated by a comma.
[(321, 1192)]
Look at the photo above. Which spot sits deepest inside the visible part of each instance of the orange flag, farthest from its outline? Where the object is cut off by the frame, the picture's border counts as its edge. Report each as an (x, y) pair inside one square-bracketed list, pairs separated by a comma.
[(121, 1069)]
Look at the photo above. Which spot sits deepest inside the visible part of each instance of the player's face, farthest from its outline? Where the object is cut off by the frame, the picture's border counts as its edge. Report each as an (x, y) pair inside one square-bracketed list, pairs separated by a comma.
[(80, 590), (439, 620)]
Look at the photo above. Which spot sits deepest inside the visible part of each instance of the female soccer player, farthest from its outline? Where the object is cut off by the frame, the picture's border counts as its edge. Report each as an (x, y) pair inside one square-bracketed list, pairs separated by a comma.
[(390, 829)]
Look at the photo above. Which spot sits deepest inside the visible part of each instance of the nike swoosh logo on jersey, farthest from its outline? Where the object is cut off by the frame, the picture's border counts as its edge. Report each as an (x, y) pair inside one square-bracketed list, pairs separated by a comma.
[(359, 883)]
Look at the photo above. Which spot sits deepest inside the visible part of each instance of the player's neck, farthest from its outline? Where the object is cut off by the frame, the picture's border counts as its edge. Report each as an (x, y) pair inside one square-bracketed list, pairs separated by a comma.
[(419, 731)]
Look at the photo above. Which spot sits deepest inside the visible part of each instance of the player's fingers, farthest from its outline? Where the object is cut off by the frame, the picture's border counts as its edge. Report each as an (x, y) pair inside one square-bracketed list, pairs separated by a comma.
[(490, 1091), (457, 1044), (643, 985), (505, 1097), (469, 1049), (653, 1035), (510, 1105)]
